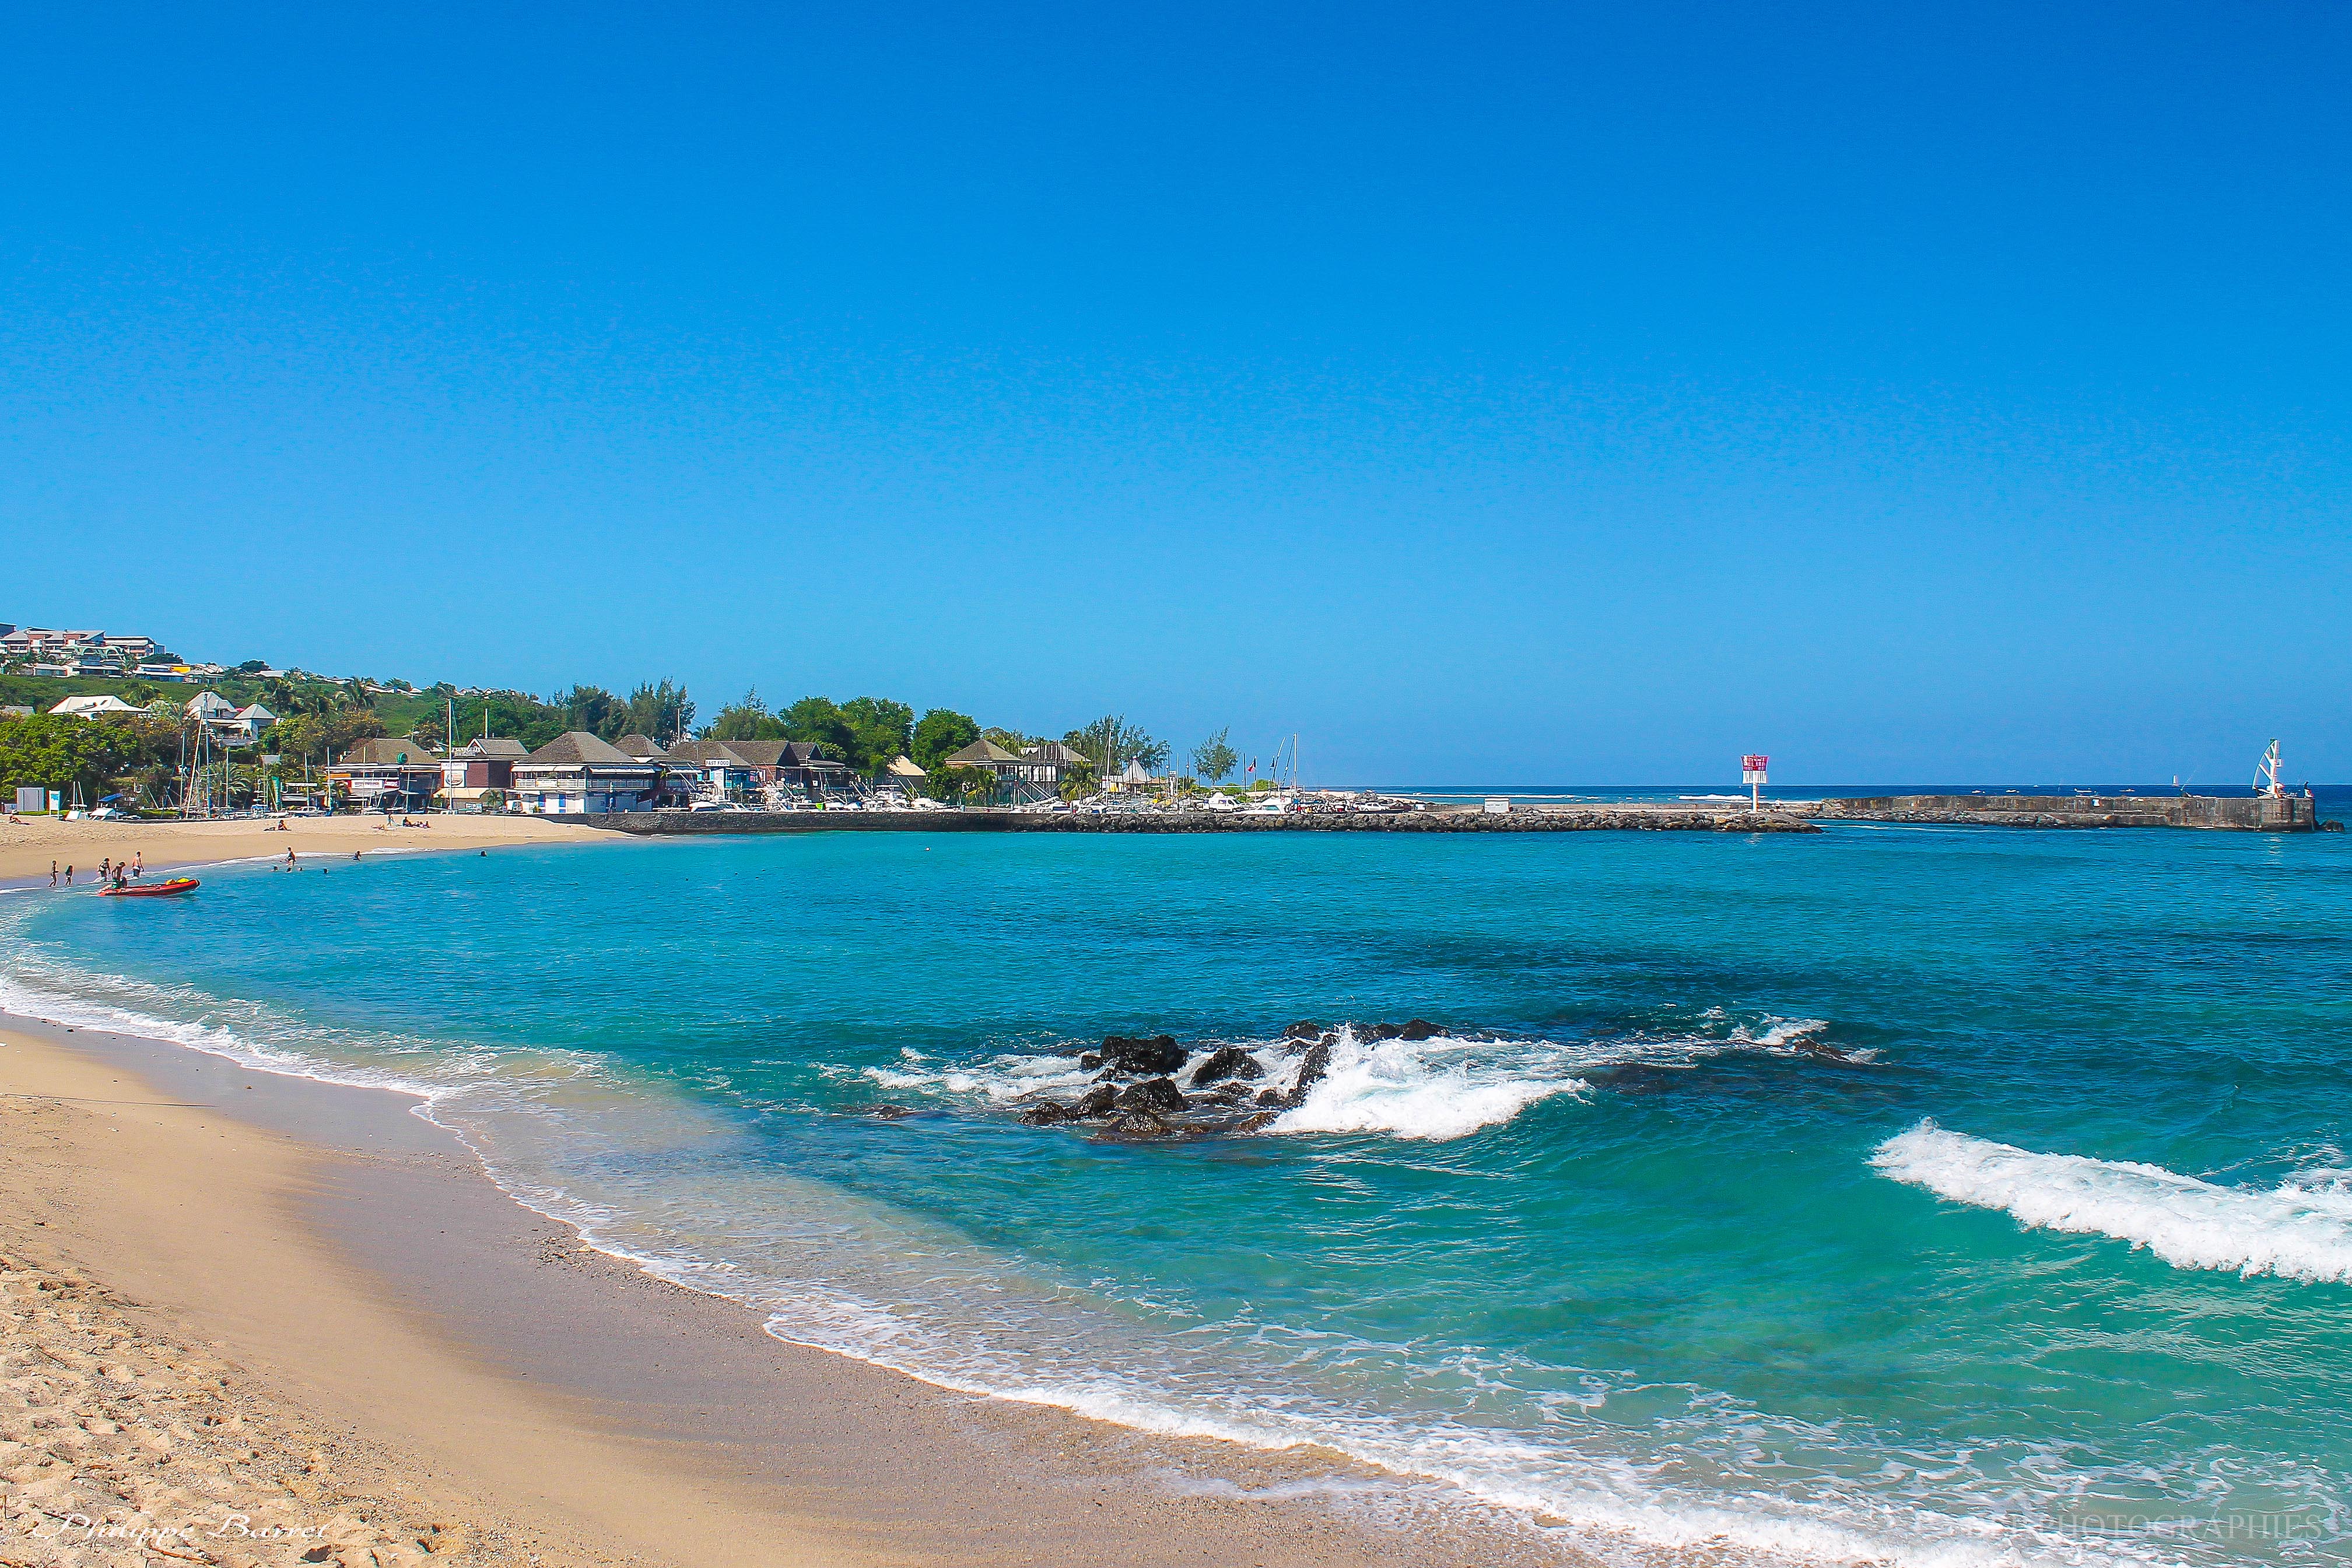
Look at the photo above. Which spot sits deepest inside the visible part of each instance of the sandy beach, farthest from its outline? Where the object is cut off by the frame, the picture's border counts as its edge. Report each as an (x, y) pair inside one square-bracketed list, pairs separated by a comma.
[(343, 1344), (29, 844)]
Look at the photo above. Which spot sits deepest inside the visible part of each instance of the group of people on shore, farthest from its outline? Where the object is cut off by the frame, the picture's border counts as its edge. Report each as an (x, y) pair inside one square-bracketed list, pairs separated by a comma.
[(109, 870)]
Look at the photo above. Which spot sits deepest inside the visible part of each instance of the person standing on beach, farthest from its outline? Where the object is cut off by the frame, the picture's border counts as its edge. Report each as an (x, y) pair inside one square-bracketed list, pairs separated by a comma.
[(69, 877), (53, 874), (138, 864)]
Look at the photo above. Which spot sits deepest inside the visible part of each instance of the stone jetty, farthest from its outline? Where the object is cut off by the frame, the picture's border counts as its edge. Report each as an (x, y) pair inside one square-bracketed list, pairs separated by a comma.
[(2245, 814), (1630, 817)]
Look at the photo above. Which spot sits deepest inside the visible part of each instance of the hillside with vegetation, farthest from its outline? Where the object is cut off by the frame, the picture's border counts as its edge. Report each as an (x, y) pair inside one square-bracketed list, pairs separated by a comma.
[(143, 757)]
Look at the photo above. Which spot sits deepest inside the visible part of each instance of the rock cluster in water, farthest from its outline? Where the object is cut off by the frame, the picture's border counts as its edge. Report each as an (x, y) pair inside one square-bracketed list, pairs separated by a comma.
[(1137, 1093)]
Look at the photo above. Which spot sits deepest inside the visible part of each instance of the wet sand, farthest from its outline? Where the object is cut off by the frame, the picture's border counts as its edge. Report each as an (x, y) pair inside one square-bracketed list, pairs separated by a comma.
[(352, 1272)]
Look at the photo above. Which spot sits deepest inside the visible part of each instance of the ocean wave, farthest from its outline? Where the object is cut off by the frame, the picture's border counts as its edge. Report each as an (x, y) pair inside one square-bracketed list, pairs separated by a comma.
[(2300, 1229), (1438, 1089), (115, 1005)]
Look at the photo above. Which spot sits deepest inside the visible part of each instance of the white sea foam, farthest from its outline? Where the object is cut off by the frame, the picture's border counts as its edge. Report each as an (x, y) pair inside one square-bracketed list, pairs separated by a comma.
[(1435, 1089), (2300, 1229), (142, 1010), (1438, 1089)]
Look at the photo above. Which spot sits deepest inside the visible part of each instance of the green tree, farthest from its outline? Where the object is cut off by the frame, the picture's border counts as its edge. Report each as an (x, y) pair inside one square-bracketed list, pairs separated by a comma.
[(942, 733), (597, 711), (818, 721), (1110, 743), (663, 711), (321, 737), (63, 753), (964, 786), (745, 718), (1213, 759), (879, 729)]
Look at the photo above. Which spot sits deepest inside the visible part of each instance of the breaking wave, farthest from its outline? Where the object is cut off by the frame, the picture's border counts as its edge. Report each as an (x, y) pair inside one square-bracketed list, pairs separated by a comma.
[(2300, 1229), (1435, 1088), (1441, 1088)]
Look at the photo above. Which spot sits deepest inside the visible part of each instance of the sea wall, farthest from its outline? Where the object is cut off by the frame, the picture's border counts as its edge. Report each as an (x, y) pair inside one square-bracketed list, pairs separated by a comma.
[(2254, 815), (1595, 818)]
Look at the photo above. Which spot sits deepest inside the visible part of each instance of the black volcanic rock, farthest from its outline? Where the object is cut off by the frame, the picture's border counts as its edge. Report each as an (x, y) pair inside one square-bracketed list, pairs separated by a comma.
[(1095, 1103), (1152, 1095), (1155, 1053), (1231, 1061), (1420, 1028), (1089, 1060), (1046, 1113), (1303, 1030)]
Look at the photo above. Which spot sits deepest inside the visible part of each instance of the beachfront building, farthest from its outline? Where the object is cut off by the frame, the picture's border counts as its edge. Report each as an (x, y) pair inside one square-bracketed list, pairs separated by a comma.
[(1010, 774), (984, 756), (642, 747), (485, 762), (720, 772), (386, 775), (1051, 763), (788, 770), (578, 772), (480, 775)]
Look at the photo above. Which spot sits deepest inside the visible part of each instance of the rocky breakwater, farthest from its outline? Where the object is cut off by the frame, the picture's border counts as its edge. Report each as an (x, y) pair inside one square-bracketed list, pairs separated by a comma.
[(1634, 817), (2245, 814), (1549, 819), (1151, 1087)]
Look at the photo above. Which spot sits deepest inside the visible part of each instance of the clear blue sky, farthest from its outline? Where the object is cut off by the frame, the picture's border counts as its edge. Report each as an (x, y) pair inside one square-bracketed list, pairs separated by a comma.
[(1493, 393)]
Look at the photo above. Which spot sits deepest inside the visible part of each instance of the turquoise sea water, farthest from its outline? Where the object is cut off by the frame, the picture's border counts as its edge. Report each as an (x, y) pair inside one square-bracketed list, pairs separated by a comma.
[(1939, 1195)]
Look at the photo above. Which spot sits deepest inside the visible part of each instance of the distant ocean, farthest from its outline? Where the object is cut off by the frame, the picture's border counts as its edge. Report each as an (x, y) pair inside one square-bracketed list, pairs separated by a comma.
[(1937, 1195)]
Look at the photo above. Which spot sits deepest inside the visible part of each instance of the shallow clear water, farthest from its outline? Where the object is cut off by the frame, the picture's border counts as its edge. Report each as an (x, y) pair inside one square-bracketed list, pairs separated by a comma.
[(1941, 1195)]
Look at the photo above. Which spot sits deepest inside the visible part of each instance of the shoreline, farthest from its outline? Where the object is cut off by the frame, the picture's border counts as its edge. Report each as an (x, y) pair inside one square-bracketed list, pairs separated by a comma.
[(28, 845), (1632, 818), (572, 1385)]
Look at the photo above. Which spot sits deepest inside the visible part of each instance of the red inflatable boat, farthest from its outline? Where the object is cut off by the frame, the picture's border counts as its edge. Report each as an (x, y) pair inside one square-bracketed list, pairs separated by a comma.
[(151, 889)]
